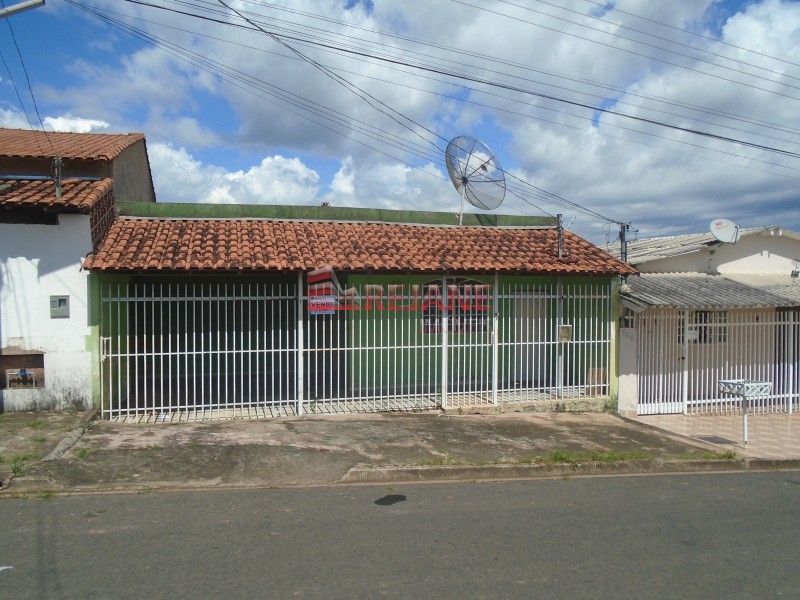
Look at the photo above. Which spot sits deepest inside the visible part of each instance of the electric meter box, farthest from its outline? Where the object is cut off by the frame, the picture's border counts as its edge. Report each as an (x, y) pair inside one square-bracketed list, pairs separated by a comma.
[(59, 307)]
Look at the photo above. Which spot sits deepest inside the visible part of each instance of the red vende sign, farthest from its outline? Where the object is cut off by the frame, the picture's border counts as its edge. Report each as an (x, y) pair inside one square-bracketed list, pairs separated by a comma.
[(325, 296)]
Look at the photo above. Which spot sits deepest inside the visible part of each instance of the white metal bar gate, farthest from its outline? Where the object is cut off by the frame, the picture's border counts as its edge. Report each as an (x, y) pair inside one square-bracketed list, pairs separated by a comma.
[(684, 353), (197, 348), (218, 350)]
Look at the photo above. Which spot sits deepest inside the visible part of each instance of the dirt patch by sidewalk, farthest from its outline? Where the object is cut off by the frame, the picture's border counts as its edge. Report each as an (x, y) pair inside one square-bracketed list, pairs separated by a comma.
[(27, 437)]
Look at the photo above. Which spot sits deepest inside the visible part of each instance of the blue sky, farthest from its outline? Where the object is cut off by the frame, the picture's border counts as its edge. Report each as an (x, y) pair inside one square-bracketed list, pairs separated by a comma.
[(663, 114)]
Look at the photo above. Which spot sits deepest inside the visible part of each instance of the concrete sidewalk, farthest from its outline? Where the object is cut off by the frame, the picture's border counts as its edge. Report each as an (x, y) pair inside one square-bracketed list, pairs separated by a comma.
[(73, 452), (770, 436)]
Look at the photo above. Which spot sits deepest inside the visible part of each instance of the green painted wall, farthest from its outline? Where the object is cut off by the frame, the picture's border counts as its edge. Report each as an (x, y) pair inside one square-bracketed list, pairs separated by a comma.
[(392, 338), (322, 213), (396, 355), (400, 352), (93, 340)]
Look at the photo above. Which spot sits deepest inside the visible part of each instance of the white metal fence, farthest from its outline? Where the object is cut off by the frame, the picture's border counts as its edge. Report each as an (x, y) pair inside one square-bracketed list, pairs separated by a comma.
[(683, 355), (215, 349), (197, 347)]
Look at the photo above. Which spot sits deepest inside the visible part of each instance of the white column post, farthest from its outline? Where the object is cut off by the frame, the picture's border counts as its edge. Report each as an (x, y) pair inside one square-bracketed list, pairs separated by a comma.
[(495, 336), (744, 420), (559, 342), (685, 358), (443, 316), (790, 360), (299, 353)]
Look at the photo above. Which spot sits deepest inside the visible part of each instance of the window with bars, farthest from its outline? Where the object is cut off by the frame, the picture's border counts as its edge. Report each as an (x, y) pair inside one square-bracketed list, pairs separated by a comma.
[(705, 327)]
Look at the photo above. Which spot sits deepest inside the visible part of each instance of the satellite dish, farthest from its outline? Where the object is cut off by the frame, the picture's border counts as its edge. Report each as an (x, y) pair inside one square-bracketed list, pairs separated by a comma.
[(725, 231), (475, 173)]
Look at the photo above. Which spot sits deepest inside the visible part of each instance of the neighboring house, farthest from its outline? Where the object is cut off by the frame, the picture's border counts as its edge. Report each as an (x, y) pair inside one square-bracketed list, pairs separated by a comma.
[(47, 226), (702, 311)]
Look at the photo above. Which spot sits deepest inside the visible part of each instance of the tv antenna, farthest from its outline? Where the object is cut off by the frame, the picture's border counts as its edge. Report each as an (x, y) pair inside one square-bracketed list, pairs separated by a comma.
[(476, 174), (725, 231)]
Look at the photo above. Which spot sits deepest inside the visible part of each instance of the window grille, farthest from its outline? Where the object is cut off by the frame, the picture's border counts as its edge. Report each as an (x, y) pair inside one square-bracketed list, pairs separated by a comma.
[(705, 327)]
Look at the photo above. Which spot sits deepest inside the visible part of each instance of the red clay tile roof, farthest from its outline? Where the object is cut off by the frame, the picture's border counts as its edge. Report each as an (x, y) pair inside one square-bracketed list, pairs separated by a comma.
[(76, 195), (23, 143), (268, 246)]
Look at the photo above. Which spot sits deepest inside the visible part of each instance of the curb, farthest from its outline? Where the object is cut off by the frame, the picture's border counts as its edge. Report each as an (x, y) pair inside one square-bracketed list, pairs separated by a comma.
[(414, 474), (31, 484), (548, 470)]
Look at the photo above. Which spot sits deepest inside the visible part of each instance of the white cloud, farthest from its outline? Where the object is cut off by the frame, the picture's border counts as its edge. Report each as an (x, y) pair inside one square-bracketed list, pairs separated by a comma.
[(179, 177), (75, 124), (67, 122), (13, 119), (342, 183), (394, 186)]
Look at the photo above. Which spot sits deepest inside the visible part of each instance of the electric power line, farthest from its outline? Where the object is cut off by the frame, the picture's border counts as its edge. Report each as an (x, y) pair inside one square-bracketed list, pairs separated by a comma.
[(510, 87), (356, 90), (28, 82)]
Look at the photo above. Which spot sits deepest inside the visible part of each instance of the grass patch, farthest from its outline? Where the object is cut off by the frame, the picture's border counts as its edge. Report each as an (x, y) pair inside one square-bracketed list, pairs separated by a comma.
[(19, 464), (439, 462), (564, 457), (36, 424), (45, 496), (561, 456), (2, 419), (40, 439), (83, 452), (618, 456), (575, 458)]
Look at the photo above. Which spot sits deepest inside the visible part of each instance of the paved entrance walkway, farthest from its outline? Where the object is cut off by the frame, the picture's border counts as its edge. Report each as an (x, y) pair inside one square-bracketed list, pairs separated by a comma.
[(775, 436)]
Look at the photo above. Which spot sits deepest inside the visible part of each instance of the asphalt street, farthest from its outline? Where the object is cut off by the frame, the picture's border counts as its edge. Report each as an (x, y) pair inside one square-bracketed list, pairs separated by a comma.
[(703, 536)]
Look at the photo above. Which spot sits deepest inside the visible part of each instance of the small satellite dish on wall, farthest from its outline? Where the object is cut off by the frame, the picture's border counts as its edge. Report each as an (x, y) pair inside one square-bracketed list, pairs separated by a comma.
[(725, 231)]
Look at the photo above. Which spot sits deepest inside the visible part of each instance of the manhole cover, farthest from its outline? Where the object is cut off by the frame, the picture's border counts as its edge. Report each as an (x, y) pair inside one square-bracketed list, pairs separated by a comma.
[(714, 439)]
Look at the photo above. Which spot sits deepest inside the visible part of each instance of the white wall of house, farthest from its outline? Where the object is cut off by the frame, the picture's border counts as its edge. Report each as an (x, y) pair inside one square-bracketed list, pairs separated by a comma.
[(762, 254), (628, 394), (37, 262)]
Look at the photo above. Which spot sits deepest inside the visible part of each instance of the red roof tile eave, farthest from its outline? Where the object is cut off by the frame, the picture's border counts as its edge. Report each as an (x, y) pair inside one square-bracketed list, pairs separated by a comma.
[(79, 196), (34, 145), (89, 265), (261, 247)]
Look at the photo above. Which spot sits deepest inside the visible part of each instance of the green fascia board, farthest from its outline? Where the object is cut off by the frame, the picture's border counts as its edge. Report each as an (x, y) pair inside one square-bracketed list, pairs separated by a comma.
[(175, 210)]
